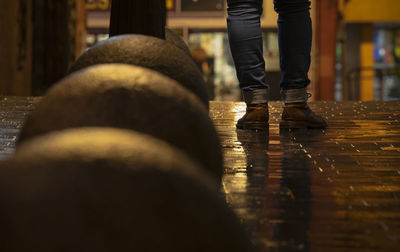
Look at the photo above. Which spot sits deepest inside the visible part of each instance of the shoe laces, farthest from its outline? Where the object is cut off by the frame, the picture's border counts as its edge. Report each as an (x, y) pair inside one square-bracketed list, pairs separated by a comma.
[(308, 97)]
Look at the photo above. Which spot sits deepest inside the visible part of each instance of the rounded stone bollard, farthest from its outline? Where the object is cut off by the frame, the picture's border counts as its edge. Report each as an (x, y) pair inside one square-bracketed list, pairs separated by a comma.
[(131, 97), (175, 39), (104, 189), (149, 52)]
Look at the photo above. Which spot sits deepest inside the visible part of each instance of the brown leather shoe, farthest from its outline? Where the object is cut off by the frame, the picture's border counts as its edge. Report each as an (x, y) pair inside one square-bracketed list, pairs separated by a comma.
[(256, 117), (298, 115)]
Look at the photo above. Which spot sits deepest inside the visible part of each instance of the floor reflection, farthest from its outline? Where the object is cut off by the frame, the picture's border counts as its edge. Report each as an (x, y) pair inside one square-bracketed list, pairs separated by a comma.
[(294, 198), (274, 203), (254, 146)]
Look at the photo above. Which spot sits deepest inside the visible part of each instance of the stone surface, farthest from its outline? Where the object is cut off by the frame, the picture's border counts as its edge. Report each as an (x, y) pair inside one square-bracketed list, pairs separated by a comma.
[(104, 189), (175, 39), (149, 52), (131, 97)]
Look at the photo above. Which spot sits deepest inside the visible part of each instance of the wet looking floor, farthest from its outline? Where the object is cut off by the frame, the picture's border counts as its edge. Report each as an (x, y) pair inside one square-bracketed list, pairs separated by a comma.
[(306, 190), (316, 190)]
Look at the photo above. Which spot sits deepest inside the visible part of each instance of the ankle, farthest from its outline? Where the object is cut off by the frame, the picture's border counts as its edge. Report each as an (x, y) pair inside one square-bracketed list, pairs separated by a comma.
[(295, 96), (256, 97)]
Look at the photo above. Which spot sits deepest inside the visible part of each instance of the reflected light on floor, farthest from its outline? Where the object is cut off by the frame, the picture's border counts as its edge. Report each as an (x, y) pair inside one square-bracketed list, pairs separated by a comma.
[(239, 109)]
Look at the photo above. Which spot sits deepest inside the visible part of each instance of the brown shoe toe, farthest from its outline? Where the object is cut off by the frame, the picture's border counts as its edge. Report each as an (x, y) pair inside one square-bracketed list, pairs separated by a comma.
[(256, 118), (299, 115)]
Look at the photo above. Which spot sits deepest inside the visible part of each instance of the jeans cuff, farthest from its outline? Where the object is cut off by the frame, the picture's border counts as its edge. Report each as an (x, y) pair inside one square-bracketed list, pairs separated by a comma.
[(294, 95), (256, 96)]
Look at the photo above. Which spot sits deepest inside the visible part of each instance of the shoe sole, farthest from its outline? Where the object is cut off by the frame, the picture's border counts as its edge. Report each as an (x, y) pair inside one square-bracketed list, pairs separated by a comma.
[(300, 125), (253, 126)]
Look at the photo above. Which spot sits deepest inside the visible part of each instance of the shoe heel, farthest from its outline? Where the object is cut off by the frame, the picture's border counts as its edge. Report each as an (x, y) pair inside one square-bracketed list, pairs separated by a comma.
[(255, 126), (292, 125)]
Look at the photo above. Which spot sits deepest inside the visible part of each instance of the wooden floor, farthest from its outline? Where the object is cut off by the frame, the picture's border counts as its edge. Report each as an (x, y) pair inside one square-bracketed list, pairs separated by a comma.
[(309, 190)]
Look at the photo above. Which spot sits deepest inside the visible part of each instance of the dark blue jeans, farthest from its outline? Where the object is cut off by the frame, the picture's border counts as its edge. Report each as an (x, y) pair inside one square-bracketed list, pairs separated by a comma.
[(294, 33)]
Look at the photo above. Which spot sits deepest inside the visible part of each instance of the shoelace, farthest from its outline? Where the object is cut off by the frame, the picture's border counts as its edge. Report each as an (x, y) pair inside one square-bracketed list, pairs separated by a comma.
[(306, 104)]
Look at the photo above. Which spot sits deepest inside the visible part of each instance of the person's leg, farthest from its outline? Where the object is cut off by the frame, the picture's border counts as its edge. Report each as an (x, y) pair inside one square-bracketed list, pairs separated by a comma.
[(295, 38), (245, 39)]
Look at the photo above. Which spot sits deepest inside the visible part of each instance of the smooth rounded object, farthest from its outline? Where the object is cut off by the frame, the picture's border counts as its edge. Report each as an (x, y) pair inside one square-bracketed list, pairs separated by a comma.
[(150, 52), (131, 97), (175, 39), (103, 189)]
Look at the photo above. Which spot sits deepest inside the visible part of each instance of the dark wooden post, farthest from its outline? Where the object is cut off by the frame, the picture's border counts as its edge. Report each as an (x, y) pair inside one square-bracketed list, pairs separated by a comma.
[(56, 31), (146, 17), (327, 23), (15, 47)]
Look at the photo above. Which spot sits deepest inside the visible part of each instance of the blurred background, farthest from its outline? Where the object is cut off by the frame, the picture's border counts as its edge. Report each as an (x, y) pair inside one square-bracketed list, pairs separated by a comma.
[(356, 45)]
